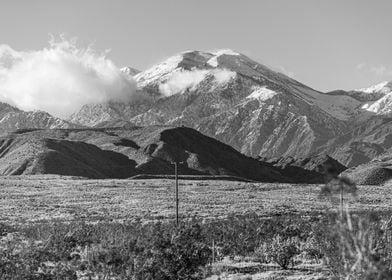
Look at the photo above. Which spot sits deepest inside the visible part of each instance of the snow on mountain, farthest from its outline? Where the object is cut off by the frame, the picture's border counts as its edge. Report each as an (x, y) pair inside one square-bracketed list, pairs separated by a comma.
[(382, 106), (262, 93), (377, 99), (214, 60), (184, 72), (258, 111), (179, 73), (234, 99), (158, 71), (383, 87), (370, 94)]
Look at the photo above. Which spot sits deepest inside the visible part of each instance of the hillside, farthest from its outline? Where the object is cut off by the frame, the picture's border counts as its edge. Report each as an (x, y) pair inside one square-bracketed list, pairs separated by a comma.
[(361, 143), (313, 167), (124, 152), (28, 154), (375, 172), (12, 119)]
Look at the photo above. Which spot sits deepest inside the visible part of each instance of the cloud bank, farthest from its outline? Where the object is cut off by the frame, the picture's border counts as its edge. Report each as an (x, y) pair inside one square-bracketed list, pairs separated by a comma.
[(61, 78)]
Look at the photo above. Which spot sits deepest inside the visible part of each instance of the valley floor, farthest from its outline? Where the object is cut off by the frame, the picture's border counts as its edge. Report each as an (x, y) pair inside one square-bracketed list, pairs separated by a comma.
[(35, 199), (41, 198)]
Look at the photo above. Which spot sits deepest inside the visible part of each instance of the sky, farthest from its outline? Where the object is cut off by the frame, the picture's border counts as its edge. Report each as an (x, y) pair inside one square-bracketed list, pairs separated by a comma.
[(331, 44)]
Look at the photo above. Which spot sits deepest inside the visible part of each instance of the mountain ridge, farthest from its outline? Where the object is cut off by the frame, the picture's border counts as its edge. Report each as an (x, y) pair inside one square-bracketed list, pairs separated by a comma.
[(256, 110), (228, 96)]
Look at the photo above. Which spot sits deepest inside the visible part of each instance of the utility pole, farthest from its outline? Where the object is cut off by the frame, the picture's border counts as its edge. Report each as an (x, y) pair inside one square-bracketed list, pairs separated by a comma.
[(176, 173), (341, 200), (177, 199)]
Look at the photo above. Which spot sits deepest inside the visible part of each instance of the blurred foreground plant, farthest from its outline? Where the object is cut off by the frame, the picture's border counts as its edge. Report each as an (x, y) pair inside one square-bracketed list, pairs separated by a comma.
[(338, 185), (355, 247)]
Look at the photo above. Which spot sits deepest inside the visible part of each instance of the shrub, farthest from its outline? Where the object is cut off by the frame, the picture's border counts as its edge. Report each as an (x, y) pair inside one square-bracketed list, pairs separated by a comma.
[(279, 250)]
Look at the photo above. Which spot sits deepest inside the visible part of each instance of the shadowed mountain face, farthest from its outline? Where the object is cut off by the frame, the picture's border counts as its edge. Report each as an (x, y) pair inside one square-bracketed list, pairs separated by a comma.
[(120, 153), (28, 154), (208, 155), (312, 167)]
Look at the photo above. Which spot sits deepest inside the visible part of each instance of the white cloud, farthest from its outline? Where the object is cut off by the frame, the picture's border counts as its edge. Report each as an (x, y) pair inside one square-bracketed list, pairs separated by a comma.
[(378, 70), (61, 78), (223, 76), (181, 81)]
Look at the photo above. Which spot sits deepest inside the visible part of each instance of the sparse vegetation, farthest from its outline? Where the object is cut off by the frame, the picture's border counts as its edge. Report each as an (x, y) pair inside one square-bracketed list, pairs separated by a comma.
[(150, 246)]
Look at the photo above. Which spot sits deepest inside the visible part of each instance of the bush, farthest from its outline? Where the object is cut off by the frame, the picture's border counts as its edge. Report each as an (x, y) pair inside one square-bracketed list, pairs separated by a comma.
[(279, 250)]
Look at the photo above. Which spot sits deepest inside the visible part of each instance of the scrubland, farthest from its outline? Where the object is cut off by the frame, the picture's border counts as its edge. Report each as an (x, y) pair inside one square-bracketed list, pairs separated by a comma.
[(55, 227)]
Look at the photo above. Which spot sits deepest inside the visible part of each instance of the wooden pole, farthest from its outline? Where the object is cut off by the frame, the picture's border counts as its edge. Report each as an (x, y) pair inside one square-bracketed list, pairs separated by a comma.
[(213, 251), (177, 200), (341, 201)]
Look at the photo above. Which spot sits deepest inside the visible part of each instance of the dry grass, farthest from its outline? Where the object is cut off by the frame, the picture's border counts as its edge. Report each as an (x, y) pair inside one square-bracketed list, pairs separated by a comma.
[(38, 198)]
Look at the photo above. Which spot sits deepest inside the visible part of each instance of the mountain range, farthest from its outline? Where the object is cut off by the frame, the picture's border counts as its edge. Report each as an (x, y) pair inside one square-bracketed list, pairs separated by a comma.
[(125, 152), (228, 96)]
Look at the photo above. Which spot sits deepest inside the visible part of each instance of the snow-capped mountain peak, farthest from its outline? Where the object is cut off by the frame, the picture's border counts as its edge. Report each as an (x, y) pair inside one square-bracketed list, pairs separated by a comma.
[(377, 99), (184, 72), (247, 105), (191, 71), (158, 71), (383, 87)]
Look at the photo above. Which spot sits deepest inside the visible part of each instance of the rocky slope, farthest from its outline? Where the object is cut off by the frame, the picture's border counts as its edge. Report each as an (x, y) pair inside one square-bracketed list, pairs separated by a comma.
[(230, 97), (257, 111), (361, 143), (12, 119)]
